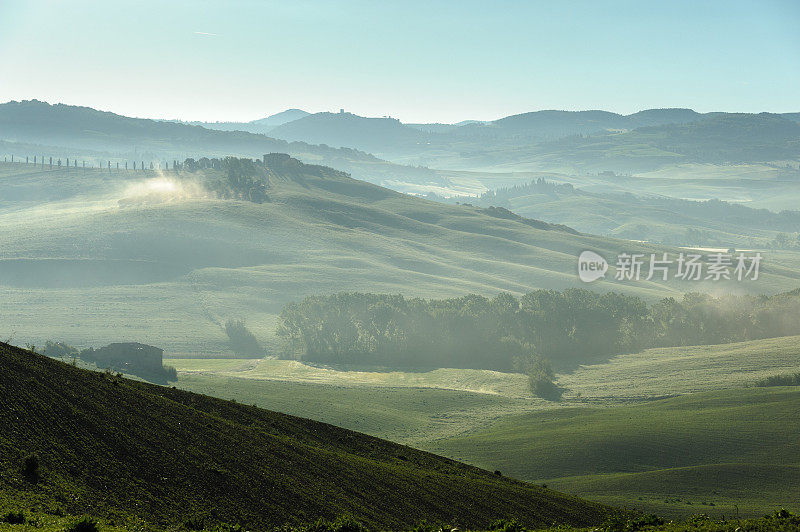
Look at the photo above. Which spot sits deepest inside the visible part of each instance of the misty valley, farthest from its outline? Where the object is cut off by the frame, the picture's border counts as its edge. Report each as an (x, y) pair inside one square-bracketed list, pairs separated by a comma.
[(273, 305)]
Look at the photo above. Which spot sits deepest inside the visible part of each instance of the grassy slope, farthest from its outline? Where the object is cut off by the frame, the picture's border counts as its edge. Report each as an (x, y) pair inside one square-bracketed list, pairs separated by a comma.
[(733, 447), (439, 410), (170, 273), (124, 448), (656, 373), (653, 219), (407, 406), (411, 416)]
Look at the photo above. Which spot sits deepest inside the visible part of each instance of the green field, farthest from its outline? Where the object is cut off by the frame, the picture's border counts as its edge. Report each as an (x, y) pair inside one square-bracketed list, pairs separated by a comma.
[(407, 415), (673, 456), (611, 438), (656, 373)]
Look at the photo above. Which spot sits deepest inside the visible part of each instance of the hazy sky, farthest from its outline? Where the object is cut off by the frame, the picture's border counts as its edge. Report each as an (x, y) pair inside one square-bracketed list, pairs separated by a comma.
[(417, 61)]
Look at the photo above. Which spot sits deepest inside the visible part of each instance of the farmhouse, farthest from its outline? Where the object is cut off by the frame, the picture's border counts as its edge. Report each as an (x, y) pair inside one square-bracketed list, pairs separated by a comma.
[(129, 357)]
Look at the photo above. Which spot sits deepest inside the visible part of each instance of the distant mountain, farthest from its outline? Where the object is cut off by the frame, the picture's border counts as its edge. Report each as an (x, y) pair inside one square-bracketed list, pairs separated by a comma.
[(67, 125), (126, 450), (717, 138), (444, 128), (649, 218), (425, 143), (792, 116), (260, 126), (713, 138), (556, 124), (380, 135), (84, 130), (283, 117)]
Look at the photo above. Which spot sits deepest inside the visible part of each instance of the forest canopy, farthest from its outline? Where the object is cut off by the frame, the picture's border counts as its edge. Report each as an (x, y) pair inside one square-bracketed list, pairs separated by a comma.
[(567, 328)]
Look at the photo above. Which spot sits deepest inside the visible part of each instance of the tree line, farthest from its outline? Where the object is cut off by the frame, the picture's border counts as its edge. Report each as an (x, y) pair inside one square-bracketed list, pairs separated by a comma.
[(244, 179), (505, 333)]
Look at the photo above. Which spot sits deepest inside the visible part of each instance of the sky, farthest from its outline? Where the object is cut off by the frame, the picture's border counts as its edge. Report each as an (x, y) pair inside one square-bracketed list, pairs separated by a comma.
[(426, 61)]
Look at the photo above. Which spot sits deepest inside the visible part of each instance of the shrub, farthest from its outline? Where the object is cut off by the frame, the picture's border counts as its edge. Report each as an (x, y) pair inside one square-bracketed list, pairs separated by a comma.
[(14, 518), (541, 378), (343, 523), (194, 523), (625, 523), (86, 524), (170, 373), (506, 525), (424, 526), (241, 340), (59, 350), (779, 380), (30, 468)]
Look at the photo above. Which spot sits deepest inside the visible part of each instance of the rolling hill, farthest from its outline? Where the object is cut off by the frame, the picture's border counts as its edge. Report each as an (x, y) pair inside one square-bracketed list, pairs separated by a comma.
[(717, 452), (652, 218), (390, 138), (380, 135), (259, 126), (556, 124), (95, 257), (71, 131), (715, 138), (125, 450), (572, 142)]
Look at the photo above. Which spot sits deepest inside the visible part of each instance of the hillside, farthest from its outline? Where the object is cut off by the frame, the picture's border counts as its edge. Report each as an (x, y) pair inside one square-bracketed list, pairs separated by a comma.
[(702, 453), (652, 218), (717, 138), (375, 135), (259, 126), (555, 124), (410, 406), (568, 141), (173, 262), (281, 118), (390, 138), (123, 449), (72, 131)]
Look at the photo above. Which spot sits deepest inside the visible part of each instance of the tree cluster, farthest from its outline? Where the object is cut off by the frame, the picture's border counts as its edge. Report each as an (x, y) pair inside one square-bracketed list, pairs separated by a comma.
[(245, 179), (505, 333)]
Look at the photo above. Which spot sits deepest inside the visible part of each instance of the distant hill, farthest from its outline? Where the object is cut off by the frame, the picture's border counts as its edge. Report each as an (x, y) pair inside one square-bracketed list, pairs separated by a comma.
[(718, 138), (389, 137), (653, 218), (561, 141), (260, 126), (568, 141), (86, 128), (63, 128), (715, 138), (444, 128), (281, 118), (556, 124), (346, 129), (121, 449)]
